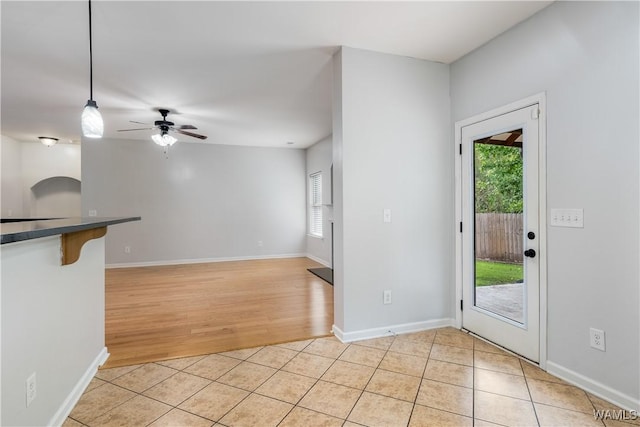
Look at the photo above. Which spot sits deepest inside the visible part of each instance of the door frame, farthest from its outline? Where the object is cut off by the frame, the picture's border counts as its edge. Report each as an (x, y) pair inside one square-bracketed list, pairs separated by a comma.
[(540, 99)]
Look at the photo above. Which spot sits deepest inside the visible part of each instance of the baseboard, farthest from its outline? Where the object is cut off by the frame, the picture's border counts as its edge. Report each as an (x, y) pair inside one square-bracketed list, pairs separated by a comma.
[(72, 399), (594, 387), (319, 260), (202, 260), (385, 331)]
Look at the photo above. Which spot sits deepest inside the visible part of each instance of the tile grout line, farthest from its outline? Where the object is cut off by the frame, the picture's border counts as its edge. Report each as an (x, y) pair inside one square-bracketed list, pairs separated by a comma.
[(369, 381), (424, 370), (118, 405), (375, 369), (187, 373), (334, 359), (172, 407), (250, 392), (422, 378), (473, 368), (253, 391), (551, 405), (295, 405), (526, 381), (320, 379), (165, 403)]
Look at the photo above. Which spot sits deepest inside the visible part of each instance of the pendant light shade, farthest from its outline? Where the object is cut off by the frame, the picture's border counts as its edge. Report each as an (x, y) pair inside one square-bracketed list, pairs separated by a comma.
[(48, 140), (92, 124), (163, 139)]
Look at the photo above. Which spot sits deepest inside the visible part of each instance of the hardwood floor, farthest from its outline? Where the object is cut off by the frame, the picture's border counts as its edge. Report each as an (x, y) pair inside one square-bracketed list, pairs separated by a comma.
[(165, 312)]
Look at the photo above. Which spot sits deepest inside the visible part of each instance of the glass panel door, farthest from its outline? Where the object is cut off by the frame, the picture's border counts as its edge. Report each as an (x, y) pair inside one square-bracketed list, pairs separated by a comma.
[(499, 211)]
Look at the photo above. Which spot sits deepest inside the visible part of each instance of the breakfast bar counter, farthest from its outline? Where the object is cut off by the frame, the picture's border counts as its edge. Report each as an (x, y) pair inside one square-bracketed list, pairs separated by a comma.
[(52, 305), (15, 230)]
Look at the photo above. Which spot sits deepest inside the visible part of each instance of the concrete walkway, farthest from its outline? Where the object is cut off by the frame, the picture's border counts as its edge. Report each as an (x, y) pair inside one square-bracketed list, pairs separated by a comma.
[(505, 300)]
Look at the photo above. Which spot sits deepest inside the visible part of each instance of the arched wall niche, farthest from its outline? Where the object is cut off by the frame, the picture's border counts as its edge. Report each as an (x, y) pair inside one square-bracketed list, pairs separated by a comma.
[(56, 197)]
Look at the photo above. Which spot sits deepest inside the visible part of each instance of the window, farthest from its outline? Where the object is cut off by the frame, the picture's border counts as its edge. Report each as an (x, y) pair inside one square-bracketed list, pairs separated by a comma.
[(315, 204)]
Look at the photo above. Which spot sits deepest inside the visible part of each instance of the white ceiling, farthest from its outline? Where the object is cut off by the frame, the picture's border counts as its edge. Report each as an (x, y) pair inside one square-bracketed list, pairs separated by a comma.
[(244, 73)]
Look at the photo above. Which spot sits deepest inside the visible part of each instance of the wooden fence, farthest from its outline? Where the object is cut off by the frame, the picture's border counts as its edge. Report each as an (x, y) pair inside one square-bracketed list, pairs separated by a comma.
[(499, 237)]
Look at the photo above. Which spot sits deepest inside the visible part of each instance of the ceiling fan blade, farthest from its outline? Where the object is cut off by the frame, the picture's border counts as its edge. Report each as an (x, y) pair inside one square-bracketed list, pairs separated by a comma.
[(187, 127), (127, 130), (195, 135), (140, 123)]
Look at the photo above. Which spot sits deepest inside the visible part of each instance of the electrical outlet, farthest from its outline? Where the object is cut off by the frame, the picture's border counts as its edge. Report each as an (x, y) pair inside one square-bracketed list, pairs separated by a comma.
[(386, 297), (31, 388), (260, 243), (597, 339), (93, 212), (127, 249)]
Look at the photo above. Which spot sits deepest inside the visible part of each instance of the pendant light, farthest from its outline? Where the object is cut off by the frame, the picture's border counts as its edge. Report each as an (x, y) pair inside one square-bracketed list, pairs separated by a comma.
[(92, 125)]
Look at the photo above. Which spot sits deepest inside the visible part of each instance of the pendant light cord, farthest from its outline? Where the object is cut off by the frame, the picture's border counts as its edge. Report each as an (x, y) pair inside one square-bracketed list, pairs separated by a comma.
[(90, 56), (91, 120)]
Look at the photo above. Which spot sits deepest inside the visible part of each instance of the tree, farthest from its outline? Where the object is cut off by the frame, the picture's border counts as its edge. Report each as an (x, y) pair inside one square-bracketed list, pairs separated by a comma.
[(498, 178)]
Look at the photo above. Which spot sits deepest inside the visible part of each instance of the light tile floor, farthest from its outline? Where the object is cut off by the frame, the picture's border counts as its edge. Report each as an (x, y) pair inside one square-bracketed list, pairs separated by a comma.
[(441, 377)]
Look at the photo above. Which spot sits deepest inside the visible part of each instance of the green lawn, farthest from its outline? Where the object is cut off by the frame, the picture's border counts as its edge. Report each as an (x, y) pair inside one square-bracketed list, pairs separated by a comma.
[(497, 273)]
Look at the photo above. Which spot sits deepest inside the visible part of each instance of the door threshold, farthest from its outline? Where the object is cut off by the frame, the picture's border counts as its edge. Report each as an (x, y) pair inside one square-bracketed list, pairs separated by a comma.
[(506, 350)]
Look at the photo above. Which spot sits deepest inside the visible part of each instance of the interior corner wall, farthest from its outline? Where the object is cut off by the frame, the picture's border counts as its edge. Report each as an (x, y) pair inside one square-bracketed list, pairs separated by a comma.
[(201, 202), (25, 164), (585, 56), (319, 159), (392, 150)]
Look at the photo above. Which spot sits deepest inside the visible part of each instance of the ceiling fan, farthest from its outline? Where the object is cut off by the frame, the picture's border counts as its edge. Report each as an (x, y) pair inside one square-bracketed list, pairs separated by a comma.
[(165, 126)]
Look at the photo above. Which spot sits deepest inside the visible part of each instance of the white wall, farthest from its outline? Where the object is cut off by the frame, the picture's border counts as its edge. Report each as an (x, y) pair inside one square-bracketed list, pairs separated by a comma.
[(11, 180), (585, 56), (319, 158), (40, 162), (203, 202), (52, 324), (25, 165), (392, 150), (338, 196)]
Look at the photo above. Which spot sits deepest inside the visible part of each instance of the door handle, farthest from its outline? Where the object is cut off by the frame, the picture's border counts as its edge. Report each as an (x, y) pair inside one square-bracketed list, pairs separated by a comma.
[(530, 253)]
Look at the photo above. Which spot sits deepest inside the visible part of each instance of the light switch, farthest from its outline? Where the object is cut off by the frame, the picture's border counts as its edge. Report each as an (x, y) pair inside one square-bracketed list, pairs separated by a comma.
[(567, 218), (386, 215)]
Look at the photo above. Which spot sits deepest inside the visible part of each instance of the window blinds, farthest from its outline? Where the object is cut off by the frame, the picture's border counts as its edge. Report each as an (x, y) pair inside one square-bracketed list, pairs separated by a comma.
[(315, 208)]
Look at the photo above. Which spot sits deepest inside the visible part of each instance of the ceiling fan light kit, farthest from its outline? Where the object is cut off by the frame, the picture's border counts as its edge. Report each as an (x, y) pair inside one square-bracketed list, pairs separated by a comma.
[(163, 139), (92, 124)]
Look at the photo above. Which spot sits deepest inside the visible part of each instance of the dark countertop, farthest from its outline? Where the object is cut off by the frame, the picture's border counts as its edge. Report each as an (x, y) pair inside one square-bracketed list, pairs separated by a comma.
[(16, 231)]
